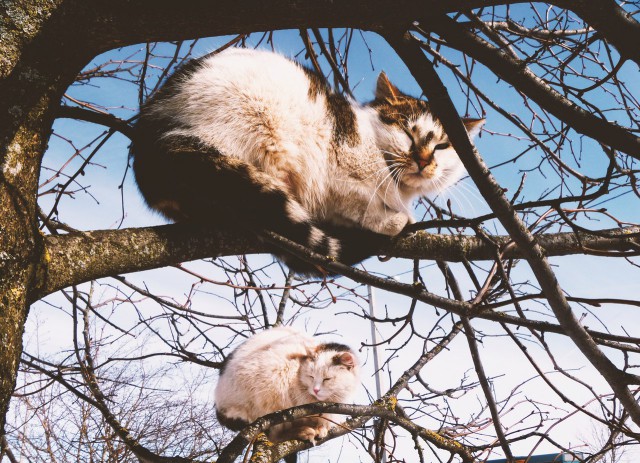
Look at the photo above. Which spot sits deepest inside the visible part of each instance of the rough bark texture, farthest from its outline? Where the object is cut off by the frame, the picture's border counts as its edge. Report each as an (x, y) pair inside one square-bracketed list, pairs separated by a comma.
[(32, 81), (44, 44), (79, 257)]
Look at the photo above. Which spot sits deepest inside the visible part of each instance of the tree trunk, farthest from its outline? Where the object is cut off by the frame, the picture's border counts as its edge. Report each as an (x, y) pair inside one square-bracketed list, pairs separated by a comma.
[(36, 67)]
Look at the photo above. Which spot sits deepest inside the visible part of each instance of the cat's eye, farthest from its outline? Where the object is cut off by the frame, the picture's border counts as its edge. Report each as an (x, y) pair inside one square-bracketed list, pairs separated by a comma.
[(326, 379), (443, 146), (411, 137)]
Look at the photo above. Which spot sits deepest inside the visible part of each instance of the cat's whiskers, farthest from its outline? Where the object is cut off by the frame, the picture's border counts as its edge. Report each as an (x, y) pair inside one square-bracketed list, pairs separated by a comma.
[(397, 158), (400, 171), (396, 170), (442, 188), (382, 172), (456, 200), (439, 188), (390, 173), (378, 173), (382, 164), (469, 191)]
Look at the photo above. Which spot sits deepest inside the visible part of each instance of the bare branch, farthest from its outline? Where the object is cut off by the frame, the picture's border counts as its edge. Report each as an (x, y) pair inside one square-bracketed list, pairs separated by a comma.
[(516, 72), (613, 22), (78, 257), (409, 50), (108, 120)]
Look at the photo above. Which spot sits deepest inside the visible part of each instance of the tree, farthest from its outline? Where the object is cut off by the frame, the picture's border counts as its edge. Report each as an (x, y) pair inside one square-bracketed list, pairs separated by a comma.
[(571, 66)]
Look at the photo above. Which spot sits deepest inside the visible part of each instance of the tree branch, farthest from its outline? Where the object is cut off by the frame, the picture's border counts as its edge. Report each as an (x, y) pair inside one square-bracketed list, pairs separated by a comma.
[(245, 437), (108, 120), (613, 22), (409, 51), (84, 256), (122, 22), (460, 308), (75, 258), (516, 72)]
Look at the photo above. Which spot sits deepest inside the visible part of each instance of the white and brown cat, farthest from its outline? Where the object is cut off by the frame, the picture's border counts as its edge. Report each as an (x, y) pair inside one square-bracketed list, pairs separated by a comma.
[(252, 138), (281, 368)]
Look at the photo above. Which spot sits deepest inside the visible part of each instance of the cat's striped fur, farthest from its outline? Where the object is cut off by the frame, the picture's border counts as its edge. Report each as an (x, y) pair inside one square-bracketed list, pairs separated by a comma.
[(252, 138)]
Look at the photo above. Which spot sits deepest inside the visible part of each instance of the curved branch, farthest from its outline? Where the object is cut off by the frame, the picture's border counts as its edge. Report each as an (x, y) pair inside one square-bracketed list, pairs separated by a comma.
[(409, 51), (613, 22), (108, 120), (516, 72), (78, 257)]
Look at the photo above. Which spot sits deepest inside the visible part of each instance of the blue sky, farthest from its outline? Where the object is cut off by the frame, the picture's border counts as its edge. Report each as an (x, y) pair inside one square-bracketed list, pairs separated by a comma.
[(579, 275)]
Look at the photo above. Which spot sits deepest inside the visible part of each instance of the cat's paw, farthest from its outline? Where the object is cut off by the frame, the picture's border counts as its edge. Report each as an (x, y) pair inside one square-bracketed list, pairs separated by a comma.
[(308, 434), (394, 224), (321, 432)]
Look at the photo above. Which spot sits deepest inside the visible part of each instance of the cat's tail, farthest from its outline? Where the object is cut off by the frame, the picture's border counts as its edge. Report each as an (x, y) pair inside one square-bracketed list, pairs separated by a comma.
[(235, 424), (346, 245)]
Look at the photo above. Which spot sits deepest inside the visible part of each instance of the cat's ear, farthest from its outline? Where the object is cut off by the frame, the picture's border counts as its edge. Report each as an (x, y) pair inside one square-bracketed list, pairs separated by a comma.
[(473, 126), (346, 359), (385, 90), (311, 347)]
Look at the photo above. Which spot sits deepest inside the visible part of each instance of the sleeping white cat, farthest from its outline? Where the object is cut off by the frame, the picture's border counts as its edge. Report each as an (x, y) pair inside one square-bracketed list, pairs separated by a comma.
[(280, 368)]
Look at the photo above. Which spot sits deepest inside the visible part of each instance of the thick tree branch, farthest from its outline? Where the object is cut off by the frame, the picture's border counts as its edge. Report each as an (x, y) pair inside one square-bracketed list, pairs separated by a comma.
[(611, 21), (78, 257), (409, 50), (122, 22), (33, 76), (517, 73), (108, 120)]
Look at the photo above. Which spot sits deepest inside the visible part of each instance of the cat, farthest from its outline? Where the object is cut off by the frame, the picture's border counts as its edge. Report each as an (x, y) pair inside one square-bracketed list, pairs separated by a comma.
[(253, 138), (280, 368)]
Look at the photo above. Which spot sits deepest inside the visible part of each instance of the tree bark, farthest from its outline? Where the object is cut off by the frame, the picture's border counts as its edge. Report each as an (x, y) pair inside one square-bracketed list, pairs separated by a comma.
[(44, 44), (35, 69), (84, 256)]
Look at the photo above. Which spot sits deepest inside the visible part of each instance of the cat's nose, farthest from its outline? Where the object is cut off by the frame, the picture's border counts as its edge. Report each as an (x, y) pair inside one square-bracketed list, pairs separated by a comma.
[(423, 159), (421, 164), (316, 390)]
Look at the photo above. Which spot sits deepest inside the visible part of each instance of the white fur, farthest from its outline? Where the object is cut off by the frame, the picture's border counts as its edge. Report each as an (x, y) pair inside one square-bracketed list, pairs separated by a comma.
[(277, 369), (255, 105)]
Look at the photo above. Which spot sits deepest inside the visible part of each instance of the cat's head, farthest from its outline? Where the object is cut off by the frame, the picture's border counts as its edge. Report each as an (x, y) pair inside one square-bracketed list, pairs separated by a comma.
[(413, 142), (330, 373)]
